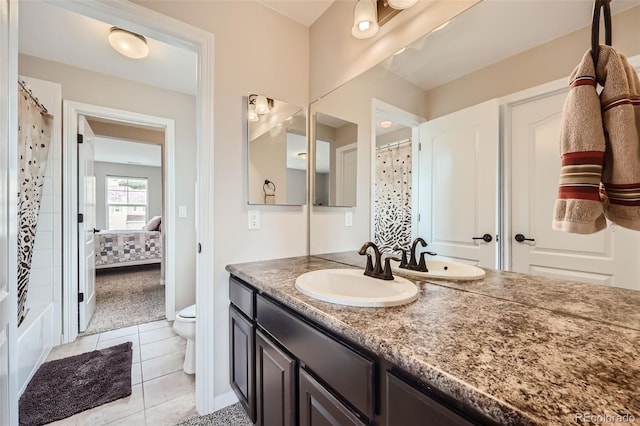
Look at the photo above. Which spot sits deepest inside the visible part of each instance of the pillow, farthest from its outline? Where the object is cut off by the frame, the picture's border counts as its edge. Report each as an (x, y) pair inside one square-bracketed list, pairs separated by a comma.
[(153, 224)]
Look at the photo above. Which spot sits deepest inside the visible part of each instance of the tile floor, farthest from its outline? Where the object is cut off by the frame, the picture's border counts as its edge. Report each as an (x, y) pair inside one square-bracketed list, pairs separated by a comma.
[(161, 393)]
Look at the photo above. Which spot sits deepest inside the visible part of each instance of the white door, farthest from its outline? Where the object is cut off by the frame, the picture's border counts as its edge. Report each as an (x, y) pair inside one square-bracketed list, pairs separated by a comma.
[(87, 208), (607, 257), (346, 175), (458, 184)]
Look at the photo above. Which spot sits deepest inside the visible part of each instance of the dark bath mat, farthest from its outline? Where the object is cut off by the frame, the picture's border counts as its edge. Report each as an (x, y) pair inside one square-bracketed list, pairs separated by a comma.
[(67, 386)]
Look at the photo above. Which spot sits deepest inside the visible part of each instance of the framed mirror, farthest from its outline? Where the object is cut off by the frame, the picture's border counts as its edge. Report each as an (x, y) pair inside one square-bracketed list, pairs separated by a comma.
[(335, 167), (276, 152)]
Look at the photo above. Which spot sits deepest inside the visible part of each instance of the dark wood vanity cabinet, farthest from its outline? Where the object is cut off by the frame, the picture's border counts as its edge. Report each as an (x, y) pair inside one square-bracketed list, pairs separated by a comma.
[(318, 407), (287, 371), (242, 361), (275, 384)]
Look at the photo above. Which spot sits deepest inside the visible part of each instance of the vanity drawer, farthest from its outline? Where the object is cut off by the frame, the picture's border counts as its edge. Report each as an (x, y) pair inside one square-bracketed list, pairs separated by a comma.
[(341, 368), (242, 296)]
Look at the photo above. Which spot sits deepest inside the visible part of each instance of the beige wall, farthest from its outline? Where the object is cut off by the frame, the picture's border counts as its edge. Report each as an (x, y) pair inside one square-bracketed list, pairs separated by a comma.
[(127, 132), (542, 64), (100, 89), (256, 51), (336, 56)]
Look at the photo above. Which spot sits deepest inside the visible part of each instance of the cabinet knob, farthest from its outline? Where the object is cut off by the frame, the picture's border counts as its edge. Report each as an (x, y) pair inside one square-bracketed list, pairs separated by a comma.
[(487, 238)]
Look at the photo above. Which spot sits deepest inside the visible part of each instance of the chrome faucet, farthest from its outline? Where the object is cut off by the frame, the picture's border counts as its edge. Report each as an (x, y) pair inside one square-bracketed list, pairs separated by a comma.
[(377, 271)]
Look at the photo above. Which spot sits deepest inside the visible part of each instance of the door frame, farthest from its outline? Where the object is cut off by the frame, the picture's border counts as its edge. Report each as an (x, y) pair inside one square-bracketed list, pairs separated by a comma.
[(340, 153), (409, 120), (137, 18), (70, 240), (507, 103), (9, 199)]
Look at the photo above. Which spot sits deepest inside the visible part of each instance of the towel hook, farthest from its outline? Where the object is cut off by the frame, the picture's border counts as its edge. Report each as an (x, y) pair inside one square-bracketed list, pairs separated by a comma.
[(595, 28)]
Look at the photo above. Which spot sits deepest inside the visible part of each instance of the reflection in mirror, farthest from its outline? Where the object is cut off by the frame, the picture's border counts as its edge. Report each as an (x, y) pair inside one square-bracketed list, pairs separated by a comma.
[(480, 173), (335, 161), (277, 152)]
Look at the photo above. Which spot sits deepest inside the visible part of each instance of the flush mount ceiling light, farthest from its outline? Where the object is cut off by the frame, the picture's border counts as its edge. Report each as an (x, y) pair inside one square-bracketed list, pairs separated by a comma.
[(401, 4), (302, 155), (128, 44), (385, 124), (365, 21)]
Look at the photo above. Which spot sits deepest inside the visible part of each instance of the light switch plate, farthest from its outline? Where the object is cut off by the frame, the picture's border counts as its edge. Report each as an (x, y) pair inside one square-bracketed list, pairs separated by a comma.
[(348, 218), (254, 219), (182, 211)]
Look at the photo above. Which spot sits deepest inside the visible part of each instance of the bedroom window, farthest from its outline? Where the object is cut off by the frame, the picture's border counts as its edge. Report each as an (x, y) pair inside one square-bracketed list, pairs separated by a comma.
[(126, 202)]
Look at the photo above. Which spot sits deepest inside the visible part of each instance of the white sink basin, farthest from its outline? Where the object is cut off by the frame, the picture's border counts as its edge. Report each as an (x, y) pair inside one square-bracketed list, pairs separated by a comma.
[(351, 287), (444, 270)]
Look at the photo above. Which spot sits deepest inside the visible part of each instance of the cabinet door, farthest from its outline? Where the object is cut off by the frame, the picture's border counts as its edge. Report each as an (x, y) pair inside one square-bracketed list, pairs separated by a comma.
[(319, 408), (407, 406), (242, 361), (275, 384)]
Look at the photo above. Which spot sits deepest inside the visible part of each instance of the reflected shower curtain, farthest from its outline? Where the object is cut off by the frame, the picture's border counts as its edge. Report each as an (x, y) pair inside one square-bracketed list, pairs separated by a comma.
[(392, 203), (34, 138)]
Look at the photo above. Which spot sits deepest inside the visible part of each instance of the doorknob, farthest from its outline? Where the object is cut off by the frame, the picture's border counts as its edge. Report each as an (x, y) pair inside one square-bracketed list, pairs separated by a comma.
[(487, 238), (521, 238)]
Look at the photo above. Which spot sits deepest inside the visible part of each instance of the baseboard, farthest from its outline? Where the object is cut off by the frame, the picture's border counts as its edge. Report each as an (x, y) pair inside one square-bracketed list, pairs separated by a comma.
[(224, 400)]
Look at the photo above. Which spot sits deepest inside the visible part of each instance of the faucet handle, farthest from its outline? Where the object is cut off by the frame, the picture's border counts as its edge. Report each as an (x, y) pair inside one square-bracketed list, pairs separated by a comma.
[(369, 267), (403, 261), (387, 274)]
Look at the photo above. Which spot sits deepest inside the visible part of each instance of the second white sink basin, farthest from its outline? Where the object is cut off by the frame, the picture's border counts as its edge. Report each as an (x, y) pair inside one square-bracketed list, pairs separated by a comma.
[(351, 287), (444, 270)]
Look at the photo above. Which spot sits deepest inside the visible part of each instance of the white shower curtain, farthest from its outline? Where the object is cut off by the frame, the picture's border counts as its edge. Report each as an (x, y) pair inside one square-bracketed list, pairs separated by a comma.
[(34, 138), (392, 203)]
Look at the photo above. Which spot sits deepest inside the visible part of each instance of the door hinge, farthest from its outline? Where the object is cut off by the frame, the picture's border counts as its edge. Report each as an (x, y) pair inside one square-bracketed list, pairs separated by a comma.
[(80, 218), (419, 146), (80, 297), (80, 138), (418, 217), (199, 248)]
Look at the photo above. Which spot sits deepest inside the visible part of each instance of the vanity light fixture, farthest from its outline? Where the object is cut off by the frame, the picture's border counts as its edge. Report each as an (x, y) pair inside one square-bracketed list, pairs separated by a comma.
[(252, 115), (365, 21), (385, 124), (401, 4), (128, 44), (258, 105)]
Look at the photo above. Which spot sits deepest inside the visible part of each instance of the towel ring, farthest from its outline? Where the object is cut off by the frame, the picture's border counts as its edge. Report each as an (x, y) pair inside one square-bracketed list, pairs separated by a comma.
[(595, 28), (267, 184)]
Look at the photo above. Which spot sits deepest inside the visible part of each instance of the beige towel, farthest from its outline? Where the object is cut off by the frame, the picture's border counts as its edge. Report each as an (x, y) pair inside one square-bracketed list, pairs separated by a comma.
[(600, 147)]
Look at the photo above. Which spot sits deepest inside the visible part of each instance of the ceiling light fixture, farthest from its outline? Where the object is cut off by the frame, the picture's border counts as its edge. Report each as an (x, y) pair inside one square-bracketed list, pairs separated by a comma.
[(402, 49), (401, 4), (365, 21), (128, 44), (385, 124), (302, 155)]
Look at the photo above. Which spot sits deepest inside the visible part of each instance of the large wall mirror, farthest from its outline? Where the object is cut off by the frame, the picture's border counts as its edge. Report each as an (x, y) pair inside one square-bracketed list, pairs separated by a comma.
[(277, 151), (458, 182), (336, 154)]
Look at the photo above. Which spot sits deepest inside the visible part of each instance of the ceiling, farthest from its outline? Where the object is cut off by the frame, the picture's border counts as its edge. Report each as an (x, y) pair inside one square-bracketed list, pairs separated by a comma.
[(50, 32), (305, 12), (471, 42), (110, 150)]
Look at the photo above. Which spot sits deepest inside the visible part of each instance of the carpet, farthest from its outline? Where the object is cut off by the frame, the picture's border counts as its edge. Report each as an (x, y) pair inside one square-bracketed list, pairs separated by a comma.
[(232, 415), (67, 386), (127, 296)]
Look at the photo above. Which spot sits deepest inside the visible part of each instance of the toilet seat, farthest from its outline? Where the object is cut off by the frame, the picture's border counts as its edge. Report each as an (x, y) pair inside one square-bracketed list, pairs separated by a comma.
[(188, 313)]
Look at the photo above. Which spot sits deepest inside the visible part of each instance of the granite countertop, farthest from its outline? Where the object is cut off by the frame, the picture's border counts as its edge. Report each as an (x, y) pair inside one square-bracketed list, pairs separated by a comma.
[(517, 348)]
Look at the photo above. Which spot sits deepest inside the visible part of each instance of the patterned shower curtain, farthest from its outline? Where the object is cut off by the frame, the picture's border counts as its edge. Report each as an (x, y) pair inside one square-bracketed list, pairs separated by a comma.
[(34, 138), (392, 203)]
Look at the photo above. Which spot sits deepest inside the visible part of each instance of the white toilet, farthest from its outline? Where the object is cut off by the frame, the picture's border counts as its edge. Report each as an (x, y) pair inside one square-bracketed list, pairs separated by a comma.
[(185, 326)]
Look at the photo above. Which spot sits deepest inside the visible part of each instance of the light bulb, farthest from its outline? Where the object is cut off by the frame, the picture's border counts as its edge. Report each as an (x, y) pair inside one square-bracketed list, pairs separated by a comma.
[(364, 25)]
